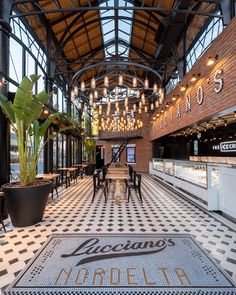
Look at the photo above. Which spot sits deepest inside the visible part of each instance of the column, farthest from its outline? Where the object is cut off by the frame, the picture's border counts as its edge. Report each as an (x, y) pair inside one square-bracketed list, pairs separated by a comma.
[(5, 30)]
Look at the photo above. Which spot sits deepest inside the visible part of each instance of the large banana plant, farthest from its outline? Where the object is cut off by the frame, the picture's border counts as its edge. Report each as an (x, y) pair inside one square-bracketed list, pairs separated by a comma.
[(23, 115)]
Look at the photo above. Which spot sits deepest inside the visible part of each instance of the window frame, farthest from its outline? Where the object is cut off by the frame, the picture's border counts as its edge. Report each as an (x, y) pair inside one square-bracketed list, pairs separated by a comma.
[(131, 147)]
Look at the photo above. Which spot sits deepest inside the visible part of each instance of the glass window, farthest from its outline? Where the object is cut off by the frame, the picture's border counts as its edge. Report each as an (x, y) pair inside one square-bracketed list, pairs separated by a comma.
[(214, 28), (115, 154), (15, 65), (130, 155)]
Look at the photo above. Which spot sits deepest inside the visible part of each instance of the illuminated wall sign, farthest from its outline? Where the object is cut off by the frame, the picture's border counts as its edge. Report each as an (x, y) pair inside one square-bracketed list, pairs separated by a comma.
[(228, 146), (200, 98), (225, 147)]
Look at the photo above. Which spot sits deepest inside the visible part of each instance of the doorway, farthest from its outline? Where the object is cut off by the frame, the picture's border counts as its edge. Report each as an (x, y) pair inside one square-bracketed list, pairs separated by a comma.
[(99, 156)]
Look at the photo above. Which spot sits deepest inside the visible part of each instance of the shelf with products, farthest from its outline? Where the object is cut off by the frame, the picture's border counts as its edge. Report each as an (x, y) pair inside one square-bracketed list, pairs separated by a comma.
[(169, 167), (192, 172), (158, 164)]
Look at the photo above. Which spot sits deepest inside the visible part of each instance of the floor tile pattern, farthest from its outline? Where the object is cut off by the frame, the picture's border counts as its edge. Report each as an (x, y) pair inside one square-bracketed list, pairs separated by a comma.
[(162, 211)]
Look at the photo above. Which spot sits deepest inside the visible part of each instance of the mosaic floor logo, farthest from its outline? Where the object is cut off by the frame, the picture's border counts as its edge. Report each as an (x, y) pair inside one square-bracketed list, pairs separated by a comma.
[(96, 252)]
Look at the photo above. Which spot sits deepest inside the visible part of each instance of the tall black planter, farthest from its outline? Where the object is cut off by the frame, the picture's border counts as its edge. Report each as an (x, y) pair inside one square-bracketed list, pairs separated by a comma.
[(26, 205)]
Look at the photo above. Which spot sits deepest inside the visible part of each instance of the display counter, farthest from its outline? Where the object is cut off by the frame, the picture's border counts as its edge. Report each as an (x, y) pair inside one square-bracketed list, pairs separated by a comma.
[(203, 183)]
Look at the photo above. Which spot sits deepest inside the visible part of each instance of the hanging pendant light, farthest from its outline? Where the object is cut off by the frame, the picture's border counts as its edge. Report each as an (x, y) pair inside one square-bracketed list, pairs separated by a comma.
[(126, 101), (156, 104), (106, 81), (134, 107), (146, 109), (104, 92), (96, 94), (116, 90), (76, 90), (138, 93), (82, 86), (152, 106), (127, 109), (135, 82), (146, 83), (93, 83), (143, 100), (128, 91), (90, 99), (120, 81), (140, 111), (155, 88), (94, 105), (140, 104), (100, 110)]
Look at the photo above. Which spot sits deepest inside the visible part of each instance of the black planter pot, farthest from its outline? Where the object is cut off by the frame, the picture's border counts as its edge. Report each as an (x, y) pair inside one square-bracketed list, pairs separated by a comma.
[(26, 205)]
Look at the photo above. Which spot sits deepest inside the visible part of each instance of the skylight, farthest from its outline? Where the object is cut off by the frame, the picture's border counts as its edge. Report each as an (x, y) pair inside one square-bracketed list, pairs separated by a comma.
[(119, 35)]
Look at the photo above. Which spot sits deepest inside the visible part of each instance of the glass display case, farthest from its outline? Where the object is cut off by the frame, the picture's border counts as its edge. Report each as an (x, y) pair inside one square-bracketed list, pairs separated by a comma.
[(193, 172), (169, 167), (158, 165)]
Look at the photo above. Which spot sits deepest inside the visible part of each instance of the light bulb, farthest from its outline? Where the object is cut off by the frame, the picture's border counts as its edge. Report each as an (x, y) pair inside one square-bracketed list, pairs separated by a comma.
[(143, 98), (138, 93), (93, 83), (96, 94), (155, 88), (82, 86), (146, 84), (134, 82), (106, 81), (76, 90), (104, 92), (120, 82)]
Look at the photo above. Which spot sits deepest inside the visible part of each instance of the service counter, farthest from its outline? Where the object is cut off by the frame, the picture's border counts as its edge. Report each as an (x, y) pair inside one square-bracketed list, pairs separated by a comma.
[(210, 185)]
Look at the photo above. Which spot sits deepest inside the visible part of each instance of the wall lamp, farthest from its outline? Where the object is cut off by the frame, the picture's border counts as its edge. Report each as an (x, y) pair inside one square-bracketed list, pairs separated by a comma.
[(212, 59), (183, 87), (195, 77)]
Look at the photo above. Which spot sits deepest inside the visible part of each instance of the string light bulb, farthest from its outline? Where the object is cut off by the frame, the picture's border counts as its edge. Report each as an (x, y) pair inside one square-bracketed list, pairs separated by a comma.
[(93, 83), (155, 88), (106, 81), (82, 86), (120, 80), (135, 82), (146, 84)]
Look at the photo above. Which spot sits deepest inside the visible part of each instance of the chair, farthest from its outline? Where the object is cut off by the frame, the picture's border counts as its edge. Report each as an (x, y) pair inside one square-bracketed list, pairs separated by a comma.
[(2, 200), (97, 186), (55, 185), (65, 177), (135, 186), (104, 180)]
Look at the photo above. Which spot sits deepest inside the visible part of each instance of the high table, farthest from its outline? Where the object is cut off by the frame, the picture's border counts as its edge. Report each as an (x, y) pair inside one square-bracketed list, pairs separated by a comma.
[(117, 177), (82, 167), (70, 170)]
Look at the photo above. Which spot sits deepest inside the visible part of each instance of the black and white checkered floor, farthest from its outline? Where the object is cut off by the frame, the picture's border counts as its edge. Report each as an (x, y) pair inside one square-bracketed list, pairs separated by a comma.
[(161, 212)]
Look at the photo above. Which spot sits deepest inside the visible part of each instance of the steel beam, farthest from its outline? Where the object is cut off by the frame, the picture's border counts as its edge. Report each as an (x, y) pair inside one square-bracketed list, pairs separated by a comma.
[(114, 63), (135, 8)]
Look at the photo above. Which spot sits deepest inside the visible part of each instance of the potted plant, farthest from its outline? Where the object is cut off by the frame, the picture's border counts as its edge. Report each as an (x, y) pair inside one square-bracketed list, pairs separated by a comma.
[(90, 145), (27, 199)]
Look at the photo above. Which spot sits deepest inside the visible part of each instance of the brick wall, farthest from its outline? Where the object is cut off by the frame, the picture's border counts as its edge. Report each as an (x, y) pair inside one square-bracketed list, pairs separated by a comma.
[(143, 147), (225, 47)]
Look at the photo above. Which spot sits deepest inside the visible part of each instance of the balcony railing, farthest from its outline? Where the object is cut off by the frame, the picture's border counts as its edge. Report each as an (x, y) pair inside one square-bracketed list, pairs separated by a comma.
[(110, 135)]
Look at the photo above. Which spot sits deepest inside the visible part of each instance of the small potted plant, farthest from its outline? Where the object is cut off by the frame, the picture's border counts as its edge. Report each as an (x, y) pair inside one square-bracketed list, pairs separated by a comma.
[(27, 199)]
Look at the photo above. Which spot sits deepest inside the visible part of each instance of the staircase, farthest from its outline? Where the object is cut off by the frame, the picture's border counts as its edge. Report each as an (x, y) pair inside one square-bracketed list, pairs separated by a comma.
[(118, 152)]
